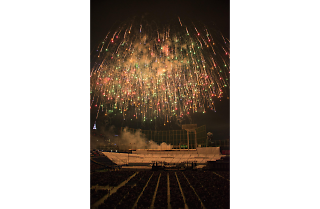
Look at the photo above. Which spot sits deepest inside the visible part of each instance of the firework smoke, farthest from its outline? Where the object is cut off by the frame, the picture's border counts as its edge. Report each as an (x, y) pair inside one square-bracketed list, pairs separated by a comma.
[(150, 73)]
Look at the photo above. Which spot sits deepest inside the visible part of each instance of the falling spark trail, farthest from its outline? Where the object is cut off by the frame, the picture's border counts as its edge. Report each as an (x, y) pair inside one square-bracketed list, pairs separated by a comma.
[(149, 74)]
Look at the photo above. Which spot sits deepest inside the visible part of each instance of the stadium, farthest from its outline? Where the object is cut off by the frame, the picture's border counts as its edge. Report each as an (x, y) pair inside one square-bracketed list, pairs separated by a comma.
[(160, 83), (177, 174)]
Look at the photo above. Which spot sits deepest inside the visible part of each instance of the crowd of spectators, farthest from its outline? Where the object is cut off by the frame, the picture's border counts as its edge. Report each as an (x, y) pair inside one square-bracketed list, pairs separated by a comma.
[(115, 198), (146, 198), (131, 198), (176, 199), (191, 198), (111, 178), (161, 200), (213, 191), (94, 166), (126, 196), (96, 195), (225, 174)]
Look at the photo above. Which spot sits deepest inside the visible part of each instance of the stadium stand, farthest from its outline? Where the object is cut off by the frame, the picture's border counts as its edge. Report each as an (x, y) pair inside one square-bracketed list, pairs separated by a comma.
[(201, 189)]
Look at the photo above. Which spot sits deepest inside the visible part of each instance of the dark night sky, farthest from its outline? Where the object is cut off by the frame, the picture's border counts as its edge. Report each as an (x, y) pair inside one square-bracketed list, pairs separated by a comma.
[(105, 15)]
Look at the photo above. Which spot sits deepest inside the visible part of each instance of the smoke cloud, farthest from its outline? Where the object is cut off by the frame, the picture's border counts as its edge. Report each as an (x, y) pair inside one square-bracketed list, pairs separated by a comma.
[(125, 141), (138, 141)]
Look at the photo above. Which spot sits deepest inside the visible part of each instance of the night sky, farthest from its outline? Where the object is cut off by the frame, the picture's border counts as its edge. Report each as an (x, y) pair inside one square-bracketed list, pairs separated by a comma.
[(105, 15)]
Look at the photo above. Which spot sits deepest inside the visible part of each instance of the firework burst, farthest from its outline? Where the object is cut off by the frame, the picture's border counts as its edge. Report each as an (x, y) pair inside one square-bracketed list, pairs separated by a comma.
[(150, 73)]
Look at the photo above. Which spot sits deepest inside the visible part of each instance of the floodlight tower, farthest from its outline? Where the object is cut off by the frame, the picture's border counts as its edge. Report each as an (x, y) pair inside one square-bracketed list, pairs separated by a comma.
[(191, 128)]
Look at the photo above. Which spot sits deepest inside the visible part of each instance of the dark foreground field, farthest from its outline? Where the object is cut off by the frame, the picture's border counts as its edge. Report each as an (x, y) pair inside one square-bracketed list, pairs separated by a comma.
[(160, 189)]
